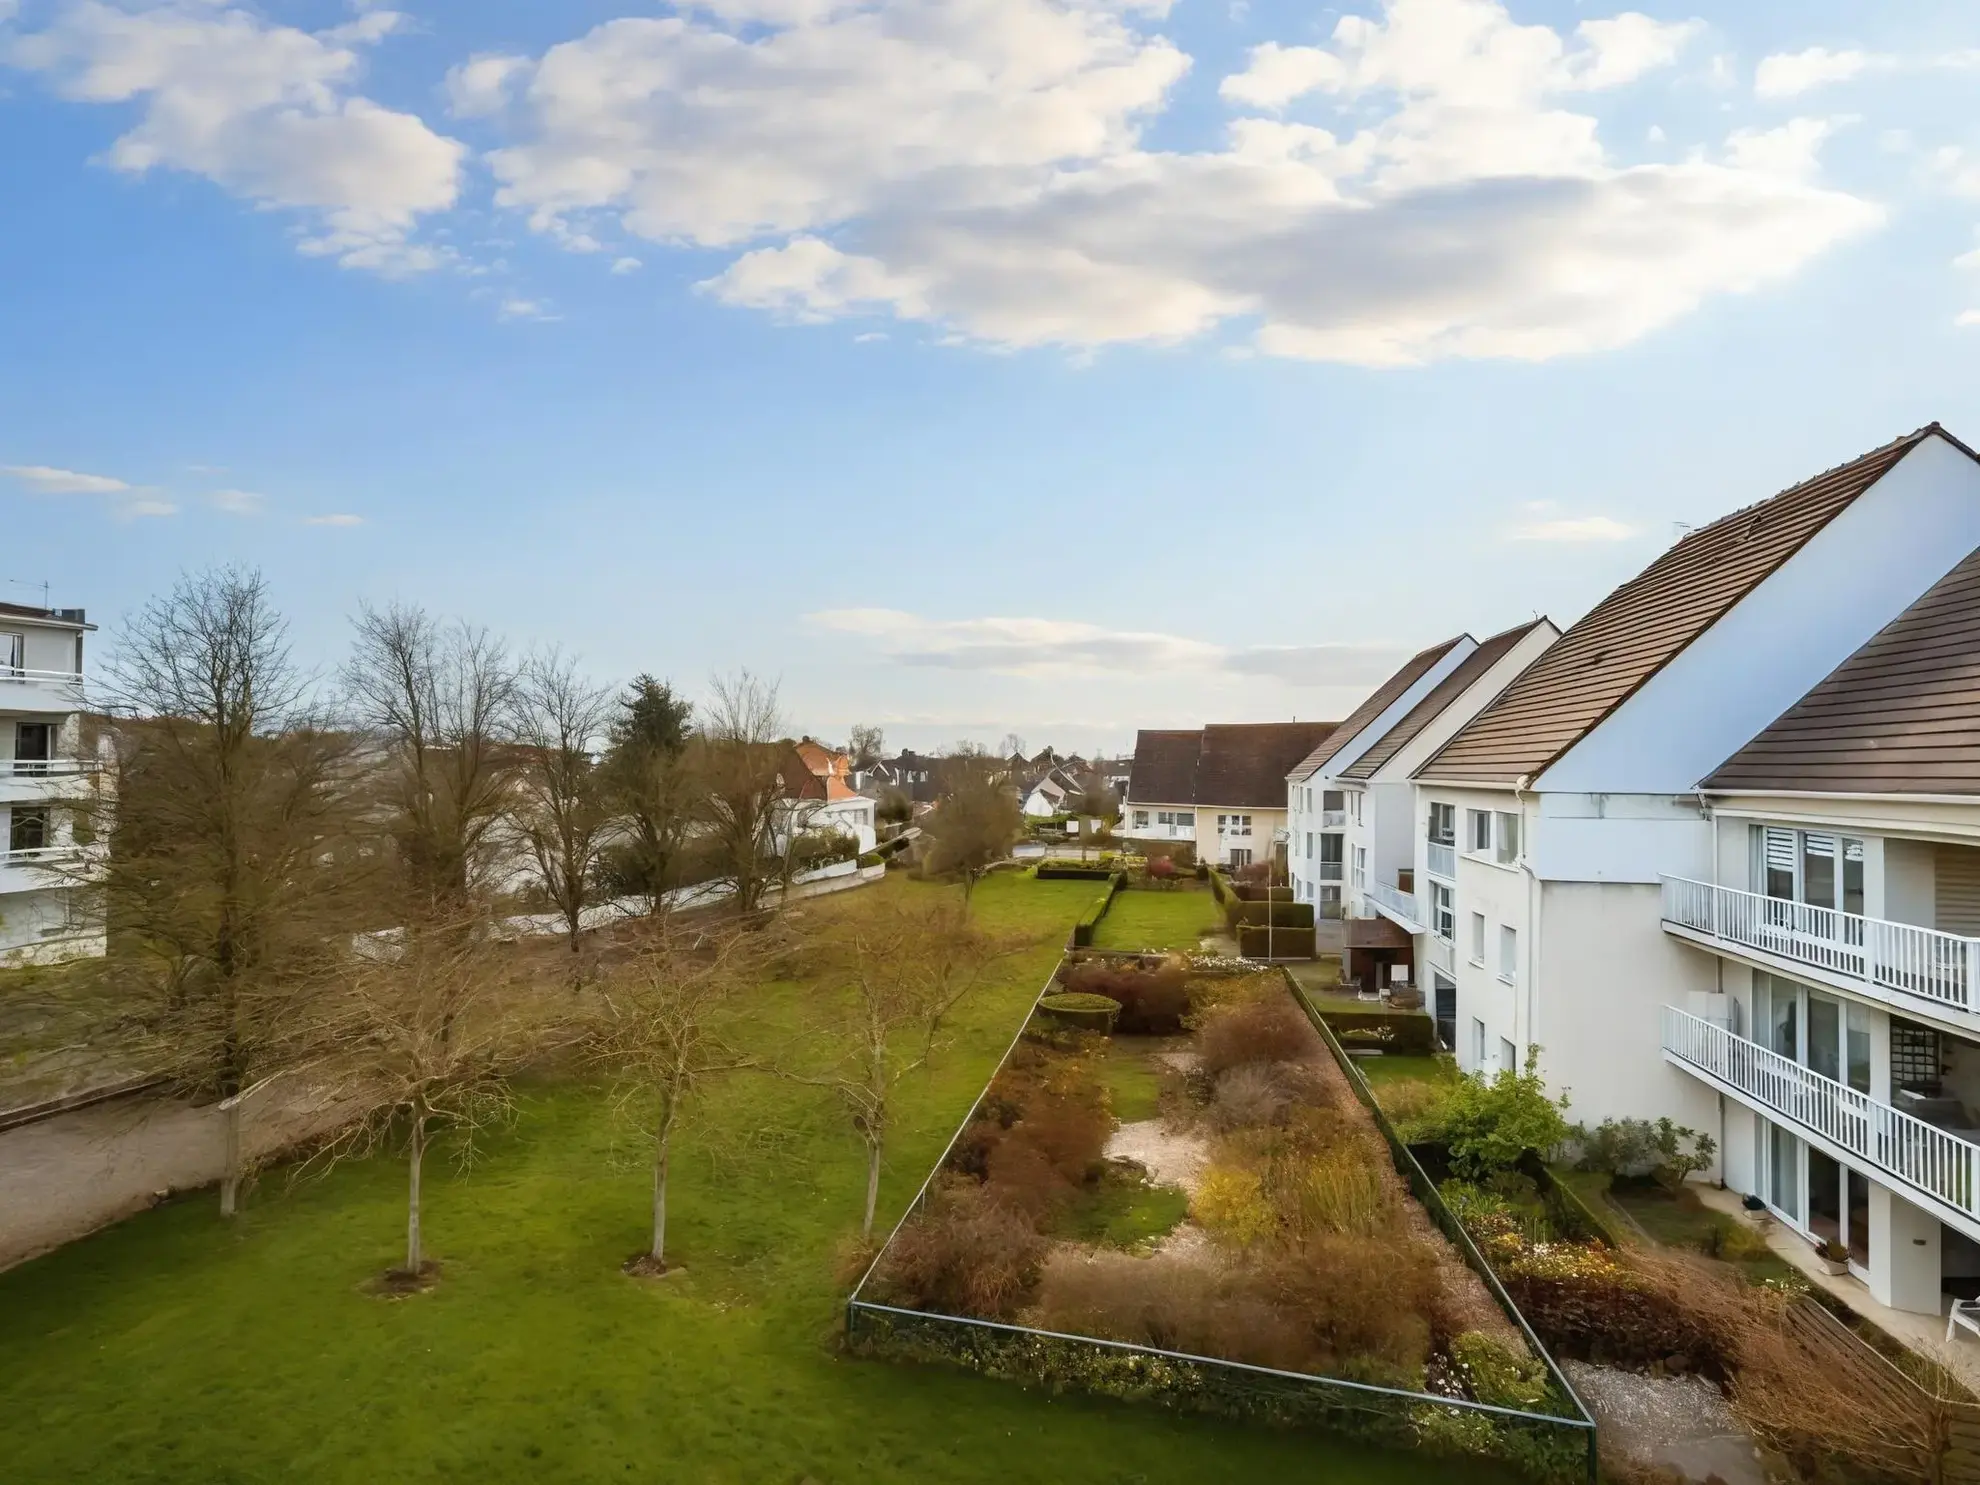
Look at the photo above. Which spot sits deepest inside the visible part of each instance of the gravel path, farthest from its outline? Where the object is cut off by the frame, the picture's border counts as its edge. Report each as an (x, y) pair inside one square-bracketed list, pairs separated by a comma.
[(1170, 1159), (1677, 1423)]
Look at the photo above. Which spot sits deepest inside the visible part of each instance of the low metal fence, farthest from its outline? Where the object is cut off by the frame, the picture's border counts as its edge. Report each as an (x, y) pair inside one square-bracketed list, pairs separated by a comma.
[(1555, 1446)]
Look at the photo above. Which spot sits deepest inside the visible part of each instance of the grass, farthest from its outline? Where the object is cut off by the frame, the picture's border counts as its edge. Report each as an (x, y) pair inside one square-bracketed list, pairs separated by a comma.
[(1384, 1072), (1174, 918), (175, 1348), (1123, 1211), (1680, 1220), (1134, 1088)]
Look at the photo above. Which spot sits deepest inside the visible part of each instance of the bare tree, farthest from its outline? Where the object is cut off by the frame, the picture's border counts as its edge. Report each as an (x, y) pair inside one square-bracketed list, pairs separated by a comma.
[(902, 968), (1011, 746), (647, 779), (435, 698), (867, 745), (745, 777), (657, 1034), (229, 862), (422, 1049), (974, 824), (560, 806)]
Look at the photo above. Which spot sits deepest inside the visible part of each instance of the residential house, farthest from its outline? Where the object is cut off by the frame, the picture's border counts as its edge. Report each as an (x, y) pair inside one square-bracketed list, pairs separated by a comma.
[(1052, 793), (825, 799), (1708, 853), (43, 764), (1220, 789)]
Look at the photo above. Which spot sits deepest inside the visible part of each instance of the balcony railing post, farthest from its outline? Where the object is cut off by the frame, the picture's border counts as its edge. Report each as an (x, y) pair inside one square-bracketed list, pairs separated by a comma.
[(1969, 961)]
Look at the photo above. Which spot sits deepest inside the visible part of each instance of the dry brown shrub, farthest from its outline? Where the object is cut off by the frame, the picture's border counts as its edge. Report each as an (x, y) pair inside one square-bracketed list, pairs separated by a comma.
[(1153, 1001), (1022, 1178), (1366, 1302), (1069, 1128), (1338, 1192), (1266, 1030), (963, 1254), (1247, 1097), (1189, 1304)]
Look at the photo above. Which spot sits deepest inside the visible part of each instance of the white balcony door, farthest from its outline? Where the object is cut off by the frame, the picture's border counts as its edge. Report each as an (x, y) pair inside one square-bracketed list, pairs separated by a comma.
[(1826, 1035)]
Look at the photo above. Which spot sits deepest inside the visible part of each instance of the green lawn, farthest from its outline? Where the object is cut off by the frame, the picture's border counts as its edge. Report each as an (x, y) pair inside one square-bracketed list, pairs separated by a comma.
[(1171, 919), (172, 1348)]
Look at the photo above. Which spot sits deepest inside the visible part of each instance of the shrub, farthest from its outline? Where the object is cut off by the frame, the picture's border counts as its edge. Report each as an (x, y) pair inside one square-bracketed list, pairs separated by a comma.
[(1248, 1097), (1364, 1301), (1022, 1178), (1161, 869), (964, 1254), (1335, 1193), (1255, 942), (1153, 1002), (1416, 1109), (1497, 1374), (1172, 1302), (1265, 1030), (1491, 1122), (1230, 1204), (1639, 1147)]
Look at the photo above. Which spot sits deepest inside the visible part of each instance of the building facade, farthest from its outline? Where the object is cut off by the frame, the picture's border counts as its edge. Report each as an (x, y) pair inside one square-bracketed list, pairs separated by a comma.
[(1219, 789)]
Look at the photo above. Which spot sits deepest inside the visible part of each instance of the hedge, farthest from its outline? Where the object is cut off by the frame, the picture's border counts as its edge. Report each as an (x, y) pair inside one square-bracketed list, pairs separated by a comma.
[(1405, 1033), (1084, 1012), (1082, 934), (1278, 914), (1262, 894), (1072, 871), (1255, 941)]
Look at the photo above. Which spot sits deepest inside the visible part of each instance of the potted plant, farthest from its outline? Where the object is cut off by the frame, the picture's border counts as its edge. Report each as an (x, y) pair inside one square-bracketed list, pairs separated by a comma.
[(1832, 1257)]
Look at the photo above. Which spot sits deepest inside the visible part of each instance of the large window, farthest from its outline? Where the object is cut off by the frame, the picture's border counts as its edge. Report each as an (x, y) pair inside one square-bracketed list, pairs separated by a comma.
[(1809, 866), (1234, 824), (1330, 858), (1359, 871), (1506, 846), (13, 654), (27, 829), (1330, 799), (1443, 824), (1141, 819), (1443, 912), (1478, 830)]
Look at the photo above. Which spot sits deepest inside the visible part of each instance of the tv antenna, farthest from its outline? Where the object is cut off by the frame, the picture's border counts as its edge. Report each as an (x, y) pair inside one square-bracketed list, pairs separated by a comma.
[(28, 583)]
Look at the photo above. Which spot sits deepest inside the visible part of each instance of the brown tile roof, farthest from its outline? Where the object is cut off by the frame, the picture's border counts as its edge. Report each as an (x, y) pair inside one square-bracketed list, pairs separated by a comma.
[(1379, 701), (1639, 628), (1237, 764), (1489, 653), (1900, 716)]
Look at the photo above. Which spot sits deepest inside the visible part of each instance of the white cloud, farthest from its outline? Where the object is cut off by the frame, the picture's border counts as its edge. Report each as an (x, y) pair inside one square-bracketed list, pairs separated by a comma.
[(1574, 530), (518, 308), (1789, 152), (481, 85), (340, 519), (1967, 319), (982, 167), (45, 480), (264, 111), (626, 265), (135, 510), (1954, 171), (1059, 647), (1786, 74), (237, 502)]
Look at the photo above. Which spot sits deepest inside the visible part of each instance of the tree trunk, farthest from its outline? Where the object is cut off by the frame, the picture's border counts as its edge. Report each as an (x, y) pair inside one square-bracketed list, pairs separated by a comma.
[(660, 1200), (230, 1170), (415, 1255), (872, 1186)]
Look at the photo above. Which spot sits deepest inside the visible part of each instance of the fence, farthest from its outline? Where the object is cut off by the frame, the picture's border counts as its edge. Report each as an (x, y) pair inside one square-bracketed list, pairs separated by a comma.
[(1546, 1446)]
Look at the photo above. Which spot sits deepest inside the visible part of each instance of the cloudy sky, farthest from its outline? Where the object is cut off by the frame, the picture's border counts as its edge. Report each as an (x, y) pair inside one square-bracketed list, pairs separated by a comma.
[(1057, 365)]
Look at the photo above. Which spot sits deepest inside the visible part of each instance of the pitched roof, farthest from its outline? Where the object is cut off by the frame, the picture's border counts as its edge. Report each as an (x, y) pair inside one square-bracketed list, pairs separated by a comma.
[(1489, 653), (1246, 763), (1379, 700), (1642, 626), (1164, 770), (1900, 716)]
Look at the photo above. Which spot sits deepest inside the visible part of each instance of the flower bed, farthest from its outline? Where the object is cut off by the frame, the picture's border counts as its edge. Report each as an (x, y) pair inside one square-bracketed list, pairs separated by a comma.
[(1306, 1285)]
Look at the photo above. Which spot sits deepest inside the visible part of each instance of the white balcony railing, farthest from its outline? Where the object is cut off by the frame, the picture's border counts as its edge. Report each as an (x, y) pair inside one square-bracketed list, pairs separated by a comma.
[(1898, 963), (1910, 1152), (1443, 860), (1397, 904), (42, 856), (47, 768), (1332, 819), (1441, 954)]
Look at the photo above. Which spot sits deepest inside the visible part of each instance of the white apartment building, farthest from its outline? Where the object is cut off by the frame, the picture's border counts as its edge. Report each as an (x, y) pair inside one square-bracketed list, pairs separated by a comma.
[(1219, 789), (1716, 852), (42, 767)]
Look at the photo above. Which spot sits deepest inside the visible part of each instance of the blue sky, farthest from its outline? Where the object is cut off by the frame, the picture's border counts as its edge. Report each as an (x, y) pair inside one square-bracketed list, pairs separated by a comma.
[(969, 365)]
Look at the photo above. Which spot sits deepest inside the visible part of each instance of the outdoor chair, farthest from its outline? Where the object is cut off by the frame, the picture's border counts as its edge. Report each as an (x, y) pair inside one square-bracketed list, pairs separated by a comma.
[(1964, 1314)]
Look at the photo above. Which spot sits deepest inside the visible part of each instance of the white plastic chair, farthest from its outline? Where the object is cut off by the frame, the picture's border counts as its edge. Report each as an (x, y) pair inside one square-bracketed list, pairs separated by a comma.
[(1965, 1313)]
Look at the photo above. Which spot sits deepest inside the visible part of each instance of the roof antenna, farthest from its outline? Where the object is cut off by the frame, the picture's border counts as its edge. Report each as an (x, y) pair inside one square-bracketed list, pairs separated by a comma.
[(27, 583), (1681, 529)]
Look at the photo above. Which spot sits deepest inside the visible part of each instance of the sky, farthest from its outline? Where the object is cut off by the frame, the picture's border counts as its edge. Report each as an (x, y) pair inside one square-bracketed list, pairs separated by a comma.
[(965, 366)]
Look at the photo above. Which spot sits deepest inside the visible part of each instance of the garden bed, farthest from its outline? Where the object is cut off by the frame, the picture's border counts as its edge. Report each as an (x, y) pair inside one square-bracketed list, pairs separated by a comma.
[(1200, 1209)]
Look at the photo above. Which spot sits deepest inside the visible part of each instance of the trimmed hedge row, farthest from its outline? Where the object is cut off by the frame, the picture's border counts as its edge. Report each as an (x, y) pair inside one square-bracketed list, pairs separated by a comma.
[(1256, 941), (1047, 872), (1278, 914), (1082, 934)]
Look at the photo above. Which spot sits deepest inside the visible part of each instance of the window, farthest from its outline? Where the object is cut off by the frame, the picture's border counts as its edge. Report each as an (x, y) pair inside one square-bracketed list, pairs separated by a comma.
[(1234, 824), (1477, 1045), (1443, 824), (1354, 807), (1360, 866), (1478, 830), (34, 745), (27, 829), (1507, 837), (1331, 799), (1443, 912), (1240, 856), (1810, 866), (1508, 1055), (1141, 819), (13, 654), (1330, 858), (1478, 939), (1508, 954), (1330, 902), (1309, 797), (1309, 843), (1186, 819)]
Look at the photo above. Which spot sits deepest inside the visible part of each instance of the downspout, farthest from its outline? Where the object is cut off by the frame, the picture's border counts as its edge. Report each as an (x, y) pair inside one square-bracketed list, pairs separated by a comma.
[(1719, 967), (1532, 1038)]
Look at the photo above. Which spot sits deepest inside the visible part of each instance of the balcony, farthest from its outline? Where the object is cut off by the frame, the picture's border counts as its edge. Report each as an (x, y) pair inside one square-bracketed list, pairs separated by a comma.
[(1443, 860), (38, 869), (39, 690), (1918, 971), (1332, 819), (1931, 1165), (1396, 904)]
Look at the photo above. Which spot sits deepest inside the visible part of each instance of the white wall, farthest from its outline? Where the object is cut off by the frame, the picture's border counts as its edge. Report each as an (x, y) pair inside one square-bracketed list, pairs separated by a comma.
[(1854, 576), (1619, 838)]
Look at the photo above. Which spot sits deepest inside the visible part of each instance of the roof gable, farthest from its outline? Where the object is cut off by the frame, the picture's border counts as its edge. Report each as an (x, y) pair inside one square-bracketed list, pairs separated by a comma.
[(1489, 653), (1632, 634), (1900, 716), (1379, 700)]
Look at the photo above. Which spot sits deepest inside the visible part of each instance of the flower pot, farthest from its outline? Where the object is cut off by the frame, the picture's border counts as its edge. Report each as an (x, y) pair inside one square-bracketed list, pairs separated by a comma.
[(1834, 1266)]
